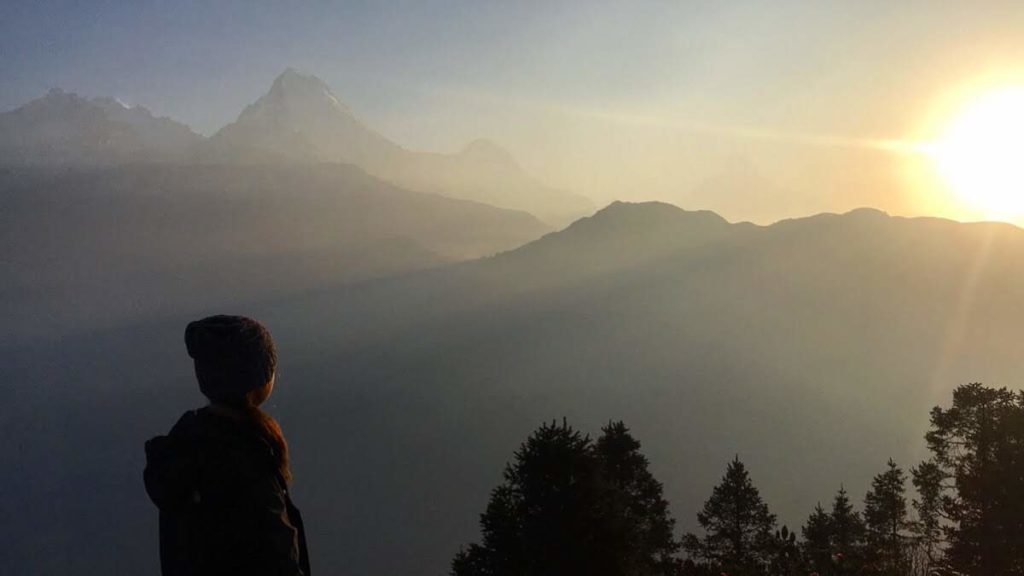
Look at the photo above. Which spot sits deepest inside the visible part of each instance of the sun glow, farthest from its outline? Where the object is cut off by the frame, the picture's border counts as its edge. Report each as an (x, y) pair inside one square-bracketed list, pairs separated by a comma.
[(980, 154)]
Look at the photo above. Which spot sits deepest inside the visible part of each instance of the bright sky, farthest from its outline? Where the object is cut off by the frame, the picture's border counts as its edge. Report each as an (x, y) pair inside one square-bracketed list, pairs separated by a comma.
[(759, 110)]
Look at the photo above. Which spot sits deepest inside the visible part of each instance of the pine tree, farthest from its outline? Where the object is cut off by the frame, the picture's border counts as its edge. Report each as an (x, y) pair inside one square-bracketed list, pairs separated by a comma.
[(738, 527), (979, 444), (636, 531), (817, 541), (928, 478), (847, 536), (570, 506), (886, 524), (501, 553), (540, 520)]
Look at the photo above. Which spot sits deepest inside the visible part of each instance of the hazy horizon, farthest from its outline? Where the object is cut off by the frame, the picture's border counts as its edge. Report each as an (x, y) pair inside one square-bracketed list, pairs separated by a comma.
[(757, 111), (462, 221)]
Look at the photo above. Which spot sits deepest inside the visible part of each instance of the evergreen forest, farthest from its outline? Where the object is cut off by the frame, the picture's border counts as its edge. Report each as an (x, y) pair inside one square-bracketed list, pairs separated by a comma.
[(570, 504)]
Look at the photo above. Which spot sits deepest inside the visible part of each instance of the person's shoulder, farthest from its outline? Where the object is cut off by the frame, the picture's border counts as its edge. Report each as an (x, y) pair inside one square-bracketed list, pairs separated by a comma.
[(185, 425), (184, 428), (208, 427), (172, 463), (212, 440), (235, 451)]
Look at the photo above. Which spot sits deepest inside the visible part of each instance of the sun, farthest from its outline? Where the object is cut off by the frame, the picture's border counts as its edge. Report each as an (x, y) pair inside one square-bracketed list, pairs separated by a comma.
[(980, 154)]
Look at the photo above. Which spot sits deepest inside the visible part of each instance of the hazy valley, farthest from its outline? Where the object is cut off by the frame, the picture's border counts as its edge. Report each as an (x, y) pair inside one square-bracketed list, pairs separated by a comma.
[(95, 246), (432, 309), (813, 348)]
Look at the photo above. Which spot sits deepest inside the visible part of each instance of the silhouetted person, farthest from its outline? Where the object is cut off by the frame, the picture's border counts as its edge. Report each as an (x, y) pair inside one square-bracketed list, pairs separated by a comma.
[(220, 477)]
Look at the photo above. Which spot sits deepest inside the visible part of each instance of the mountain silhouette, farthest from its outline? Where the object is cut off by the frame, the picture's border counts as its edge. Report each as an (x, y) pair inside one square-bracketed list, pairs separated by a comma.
[(301, 119), (119, 243), (65, 128), (813, 347)]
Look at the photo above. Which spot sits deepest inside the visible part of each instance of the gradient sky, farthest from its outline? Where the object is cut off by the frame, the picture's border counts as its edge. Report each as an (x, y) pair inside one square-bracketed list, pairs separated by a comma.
[(757, 109)]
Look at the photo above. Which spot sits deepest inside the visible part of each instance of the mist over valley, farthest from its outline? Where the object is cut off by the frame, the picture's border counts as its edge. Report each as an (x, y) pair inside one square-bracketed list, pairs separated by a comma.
[(607, 289)]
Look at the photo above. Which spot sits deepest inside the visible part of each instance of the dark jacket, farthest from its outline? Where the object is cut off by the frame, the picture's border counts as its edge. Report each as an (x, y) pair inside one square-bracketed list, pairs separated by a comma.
[(224, 508)]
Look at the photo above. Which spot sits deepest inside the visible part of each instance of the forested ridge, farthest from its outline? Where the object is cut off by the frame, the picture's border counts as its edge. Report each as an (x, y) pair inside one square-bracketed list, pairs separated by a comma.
[(812, 349), (572, 505)]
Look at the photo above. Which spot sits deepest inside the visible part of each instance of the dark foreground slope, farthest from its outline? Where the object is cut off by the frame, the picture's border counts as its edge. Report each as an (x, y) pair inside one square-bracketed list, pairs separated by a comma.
[(100, 245), (813, 348)]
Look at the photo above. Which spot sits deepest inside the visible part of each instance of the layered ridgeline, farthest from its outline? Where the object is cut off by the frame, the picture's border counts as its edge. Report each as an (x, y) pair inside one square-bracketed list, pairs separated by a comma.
[(88, 247), (299, 120), (111, 214), (813, 348), (66, 129)]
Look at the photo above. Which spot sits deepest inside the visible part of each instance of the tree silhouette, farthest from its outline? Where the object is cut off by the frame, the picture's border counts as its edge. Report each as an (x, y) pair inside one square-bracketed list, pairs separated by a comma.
[(817, 541), (570, 506), (501, 553), (738, 527), (886, 523), (928, 478), (635, 535), (786, 559), (847, 536), (979, 443)]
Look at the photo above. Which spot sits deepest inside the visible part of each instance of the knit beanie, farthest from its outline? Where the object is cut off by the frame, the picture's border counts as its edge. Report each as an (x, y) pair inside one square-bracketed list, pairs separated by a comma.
[(233, 355)]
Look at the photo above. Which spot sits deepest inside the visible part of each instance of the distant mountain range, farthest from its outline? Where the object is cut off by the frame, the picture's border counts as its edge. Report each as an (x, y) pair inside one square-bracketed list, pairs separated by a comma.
[(813, 348), (299, 120), (62, 128), (99, 246)]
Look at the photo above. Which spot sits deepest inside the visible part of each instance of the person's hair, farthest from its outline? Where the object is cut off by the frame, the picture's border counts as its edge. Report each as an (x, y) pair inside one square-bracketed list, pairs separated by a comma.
[(268, 429), (235, 362)]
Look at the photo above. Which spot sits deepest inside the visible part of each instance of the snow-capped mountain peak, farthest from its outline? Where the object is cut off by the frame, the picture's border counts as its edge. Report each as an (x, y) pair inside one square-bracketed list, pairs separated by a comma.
[(299, 95)]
